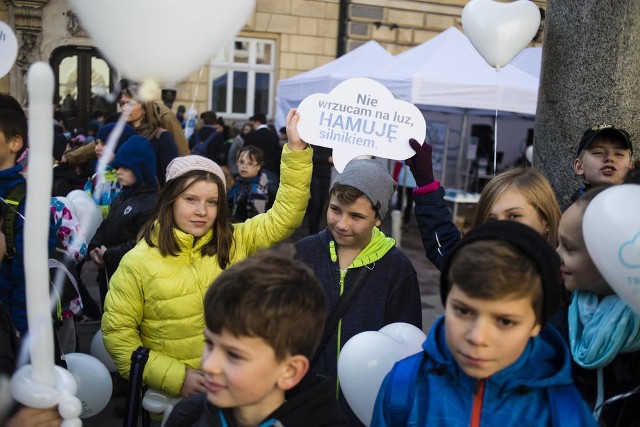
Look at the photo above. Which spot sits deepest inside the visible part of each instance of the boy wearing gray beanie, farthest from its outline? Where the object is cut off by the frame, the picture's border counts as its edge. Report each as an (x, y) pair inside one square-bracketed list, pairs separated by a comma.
[(352, 254)]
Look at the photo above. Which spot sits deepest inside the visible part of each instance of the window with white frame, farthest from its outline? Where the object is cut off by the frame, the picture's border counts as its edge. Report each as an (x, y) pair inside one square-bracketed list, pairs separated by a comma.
[(242, 78)]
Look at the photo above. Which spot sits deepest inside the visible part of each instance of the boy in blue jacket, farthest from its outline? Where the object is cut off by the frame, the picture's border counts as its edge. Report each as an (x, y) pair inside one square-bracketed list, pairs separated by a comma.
[(490, 360)]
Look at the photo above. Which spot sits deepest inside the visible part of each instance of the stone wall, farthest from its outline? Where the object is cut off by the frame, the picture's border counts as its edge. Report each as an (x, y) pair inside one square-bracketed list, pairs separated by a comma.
[(305, 31)]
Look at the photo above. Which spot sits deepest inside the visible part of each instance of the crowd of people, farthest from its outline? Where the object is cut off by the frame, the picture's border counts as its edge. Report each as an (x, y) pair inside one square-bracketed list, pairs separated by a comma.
[(248, 332)]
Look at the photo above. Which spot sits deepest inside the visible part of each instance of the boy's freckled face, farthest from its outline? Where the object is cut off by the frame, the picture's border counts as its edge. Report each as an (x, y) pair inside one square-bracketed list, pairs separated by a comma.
[(241, 373), (604, 162), (487, 336), (351, 224), (578, 270)]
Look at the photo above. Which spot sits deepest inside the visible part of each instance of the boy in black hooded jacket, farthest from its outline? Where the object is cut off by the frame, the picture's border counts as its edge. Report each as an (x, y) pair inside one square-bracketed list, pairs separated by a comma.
[(264, 317)]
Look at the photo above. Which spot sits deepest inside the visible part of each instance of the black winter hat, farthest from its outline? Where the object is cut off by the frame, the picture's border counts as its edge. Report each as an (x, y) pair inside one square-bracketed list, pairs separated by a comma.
[(531, 244)]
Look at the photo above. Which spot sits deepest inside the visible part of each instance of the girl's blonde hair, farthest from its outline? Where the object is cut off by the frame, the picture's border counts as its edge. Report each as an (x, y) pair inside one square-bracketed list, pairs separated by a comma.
[(534, 187), (163, 221)]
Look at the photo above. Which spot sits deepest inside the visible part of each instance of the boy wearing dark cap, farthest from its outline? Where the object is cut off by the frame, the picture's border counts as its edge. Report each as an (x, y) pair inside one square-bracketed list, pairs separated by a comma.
[(490, 360), (604, 156), (353, 254)]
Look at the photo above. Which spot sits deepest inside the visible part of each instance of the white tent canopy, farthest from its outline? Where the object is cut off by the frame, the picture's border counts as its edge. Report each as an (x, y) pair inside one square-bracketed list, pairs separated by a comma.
[(529, 61), (357, 63), (445, 76), (447, 71)]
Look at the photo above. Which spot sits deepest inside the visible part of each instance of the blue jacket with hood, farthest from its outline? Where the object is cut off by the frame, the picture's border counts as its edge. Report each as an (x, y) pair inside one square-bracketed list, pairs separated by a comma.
[(443, 395)]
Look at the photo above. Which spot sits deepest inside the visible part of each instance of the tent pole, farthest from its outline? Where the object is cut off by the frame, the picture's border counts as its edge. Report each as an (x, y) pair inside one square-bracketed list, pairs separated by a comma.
[(461, 155), (445, 156)]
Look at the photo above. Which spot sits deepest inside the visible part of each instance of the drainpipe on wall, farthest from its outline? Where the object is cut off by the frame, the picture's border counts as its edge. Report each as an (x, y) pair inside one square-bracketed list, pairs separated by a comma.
[(342, 28)]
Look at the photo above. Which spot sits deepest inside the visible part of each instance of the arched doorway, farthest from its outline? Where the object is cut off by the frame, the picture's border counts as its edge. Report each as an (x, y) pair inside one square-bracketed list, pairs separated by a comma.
[(81, 77)]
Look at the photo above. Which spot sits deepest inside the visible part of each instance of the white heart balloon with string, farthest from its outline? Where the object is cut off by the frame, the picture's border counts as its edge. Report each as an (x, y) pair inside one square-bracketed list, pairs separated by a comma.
[(161, 41), (611, 230), (368, 357), (499, 31)]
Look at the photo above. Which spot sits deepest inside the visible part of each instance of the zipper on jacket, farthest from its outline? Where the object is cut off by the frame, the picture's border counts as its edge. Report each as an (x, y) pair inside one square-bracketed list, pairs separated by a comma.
[(477, 404), (343, 273)]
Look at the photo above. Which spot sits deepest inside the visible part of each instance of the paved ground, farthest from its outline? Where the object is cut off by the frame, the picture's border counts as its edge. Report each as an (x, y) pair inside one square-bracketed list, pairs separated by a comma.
[(411, 244)]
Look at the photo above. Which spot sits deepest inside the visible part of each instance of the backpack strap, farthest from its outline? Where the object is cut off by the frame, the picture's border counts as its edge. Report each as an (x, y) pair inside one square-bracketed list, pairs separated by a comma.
[(403, 381), (339, 309), (14, 198)]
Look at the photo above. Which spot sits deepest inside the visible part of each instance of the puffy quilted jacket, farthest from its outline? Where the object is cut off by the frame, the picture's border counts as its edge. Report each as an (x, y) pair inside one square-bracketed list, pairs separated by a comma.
[(157, 301)]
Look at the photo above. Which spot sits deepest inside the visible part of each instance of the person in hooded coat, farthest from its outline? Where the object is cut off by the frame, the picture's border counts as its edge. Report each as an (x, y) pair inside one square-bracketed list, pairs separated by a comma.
[(135, 164)]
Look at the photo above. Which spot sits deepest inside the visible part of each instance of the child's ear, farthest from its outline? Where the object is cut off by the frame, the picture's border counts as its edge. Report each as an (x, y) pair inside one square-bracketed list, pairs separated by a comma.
[(16, 143), (577, 167), (536, 330), (378, 221), (295, 368)]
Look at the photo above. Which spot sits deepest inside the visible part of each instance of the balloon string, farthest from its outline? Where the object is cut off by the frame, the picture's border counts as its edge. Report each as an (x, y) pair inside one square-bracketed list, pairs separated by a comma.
[(195, 91), (495, 127)]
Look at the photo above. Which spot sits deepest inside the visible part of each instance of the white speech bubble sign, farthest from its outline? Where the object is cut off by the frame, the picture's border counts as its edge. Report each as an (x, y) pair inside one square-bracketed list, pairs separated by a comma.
[(360, 117), (8, 48)]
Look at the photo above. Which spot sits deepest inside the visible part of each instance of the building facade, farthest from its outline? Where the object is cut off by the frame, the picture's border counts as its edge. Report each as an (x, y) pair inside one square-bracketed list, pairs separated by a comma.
[(281, 38)]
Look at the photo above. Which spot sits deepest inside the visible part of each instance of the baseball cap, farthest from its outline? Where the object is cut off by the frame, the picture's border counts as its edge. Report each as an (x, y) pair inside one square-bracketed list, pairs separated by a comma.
[(597, 131)]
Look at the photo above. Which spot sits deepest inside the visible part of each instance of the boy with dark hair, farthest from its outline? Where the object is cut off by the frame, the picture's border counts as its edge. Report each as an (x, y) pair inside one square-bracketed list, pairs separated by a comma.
[(605, 156), (490, 360), (13, 190), (263, 318), (352, 258), (13, 141)]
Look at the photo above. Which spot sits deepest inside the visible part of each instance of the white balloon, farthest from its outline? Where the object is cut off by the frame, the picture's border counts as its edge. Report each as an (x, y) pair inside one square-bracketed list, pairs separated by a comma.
[(99, 351), (87, 212), (612, 234), (8, 48), (161, 41), (368, 357), (94, 382), (499, 31), (77, 194)]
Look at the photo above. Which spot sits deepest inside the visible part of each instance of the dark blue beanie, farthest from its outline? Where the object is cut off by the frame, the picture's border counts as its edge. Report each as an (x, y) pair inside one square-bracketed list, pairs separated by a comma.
[(105, 131), (137, 154)]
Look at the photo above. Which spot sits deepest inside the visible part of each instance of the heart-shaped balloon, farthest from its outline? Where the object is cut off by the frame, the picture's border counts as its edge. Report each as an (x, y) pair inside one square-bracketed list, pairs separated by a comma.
[(611, 232), (8, 48), (499, 31), (161, 41), (368, 357)]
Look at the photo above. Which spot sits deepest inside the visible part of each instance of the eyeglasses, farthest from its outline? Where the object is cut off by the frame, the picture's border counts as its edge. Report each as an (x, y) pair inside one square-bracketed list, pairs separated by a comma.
[(123, 103), (248, 165)]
